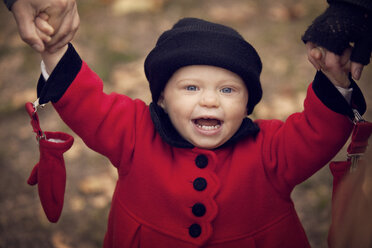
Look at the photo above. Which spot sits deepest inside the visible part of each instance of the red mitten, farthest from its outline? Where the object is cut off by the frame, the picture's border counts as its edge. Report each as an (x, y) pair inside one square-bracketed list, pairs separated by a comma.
[(50, 173)]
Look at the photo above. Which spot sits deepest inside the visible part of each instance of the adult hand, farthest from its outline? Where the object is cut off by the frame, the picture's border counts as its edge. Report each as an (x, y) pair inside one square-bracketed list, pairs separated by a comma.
[(335, 67), (62, 16), (340, 25)]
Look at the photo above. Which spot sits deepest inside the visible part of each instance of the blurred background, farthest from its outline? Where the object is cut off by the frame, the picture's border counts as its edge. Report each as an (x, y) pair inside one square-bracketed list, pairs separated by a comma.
[(114, 38)]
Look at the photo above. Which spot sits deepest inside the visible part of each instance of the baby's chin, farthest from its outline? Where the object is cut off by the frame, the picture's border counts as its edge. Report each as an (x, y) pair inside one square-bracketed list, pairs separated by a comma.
[(208, 144)]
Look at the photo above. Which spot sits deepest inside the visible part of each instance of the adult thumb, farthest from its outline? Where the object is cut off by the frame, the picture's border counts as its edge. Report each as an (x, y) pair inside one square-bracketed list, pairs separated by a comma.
[(361, 52)]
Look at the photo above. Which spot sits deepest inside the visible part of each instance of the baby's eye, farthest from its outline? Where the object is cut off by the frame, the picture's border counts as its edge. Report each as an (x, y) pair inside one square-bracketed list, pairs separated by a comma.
[(227, 90), (191, 88)]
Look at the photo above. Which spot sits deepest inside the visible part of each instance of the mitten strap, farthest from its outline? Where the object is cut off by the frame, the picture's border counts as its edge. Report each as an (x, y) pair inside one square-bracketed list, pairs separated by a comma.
[(31, 109), (358, 144)]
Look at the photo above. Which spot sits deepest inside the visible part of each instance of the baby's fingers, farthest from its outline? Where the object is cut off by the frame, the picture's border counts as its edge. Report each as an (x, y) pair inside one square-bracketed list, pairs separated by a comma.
[(44, 37), (356, 70), (42, 24), (43, 29)]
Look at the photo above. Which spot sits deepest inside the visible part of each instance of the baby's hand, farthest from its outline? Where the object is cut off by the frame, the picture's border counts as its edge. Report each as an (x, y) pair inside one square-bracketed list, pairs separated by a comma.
[(335, 67), (45, 31)]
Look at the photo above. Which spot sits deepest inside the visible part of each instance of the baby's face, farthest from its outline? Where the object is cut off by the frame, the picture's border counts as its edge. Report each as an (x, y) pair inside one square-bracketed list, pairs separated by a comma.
[(206, 104)]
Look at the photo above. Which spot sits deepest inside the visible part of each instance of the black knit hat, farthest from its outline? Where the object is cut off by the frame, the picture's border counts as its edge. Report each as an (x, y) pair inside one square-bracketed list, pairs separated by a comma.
[(194, 41)]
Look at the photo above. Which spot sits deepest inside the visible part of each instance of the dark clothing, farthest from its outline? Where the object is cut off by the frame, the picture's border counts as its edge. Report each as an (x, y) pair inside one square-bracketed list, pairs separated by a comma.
[(9, 3), (365, 4), (344, 22)]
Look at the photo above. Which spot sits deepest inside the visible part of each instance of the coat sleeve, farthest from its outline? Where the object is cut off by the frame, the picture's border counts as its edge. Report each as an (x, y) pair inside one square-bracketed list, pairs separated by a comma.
[(295, 149), (105, 122), (9, 3)]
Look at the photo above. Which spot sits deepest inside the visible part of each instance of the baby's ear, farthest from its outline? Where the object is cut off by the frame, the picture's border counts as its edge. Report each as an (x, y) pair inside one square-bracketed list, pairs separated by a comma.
[(161, 102)]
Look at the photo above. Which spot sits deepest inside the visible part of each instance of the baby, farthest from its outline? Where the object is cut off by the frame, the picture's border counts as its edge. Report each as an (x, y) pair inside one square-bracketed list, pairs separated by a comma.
[(194, 170)]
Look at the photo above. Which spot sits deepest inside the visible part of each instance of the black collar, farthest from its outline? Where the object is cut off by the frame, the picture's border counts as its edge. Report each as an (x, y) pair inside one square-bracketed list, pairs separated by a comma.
[(170, 135)]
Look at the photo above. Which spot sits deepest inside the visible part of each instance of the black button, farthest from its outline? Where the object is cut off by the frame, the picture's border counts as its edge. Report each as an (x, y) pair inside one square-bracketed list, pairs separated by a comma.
[(200, 184), (198, 209), (195, 230), (201, 161)]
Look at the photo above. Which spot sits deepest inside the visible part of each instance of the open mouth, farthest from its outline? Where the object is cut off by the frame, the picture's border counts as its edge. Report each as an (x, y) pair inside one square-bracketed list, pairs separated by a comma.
[(207, 124)]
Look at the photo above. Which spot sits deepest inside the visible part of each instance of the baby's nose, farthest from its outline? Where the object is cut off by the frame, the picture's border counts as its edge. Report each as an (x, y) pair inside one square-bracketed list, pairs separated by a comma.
[(210, 100)]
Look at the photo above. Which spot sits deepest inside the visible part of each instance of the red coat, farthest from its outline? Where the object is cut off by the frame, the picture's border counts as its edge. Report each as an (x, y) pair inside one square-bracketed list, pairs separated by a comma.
[(234, 196)]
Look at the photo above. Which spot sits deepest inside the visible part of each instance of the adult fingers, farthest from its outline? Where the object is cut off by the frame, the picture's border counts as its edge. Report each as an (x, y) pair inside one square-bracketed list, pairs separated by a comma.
[(69, 29), (333, 61), (65, 20), (360, 56), (24, 16), (337, 68), (343, 62), (345, 58)]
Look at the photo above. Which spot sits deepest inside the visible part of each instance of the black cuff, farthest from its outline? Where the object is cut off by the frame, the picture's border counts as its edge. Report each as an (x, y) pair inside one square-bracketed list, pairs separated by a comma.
[(61, 78), (334, 100)]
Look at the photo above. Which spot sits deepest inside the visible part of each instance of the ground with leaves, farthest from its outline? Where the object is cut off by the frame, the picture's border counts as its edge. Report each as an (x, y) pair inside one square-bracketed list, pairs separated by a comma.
[(114, 38)]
